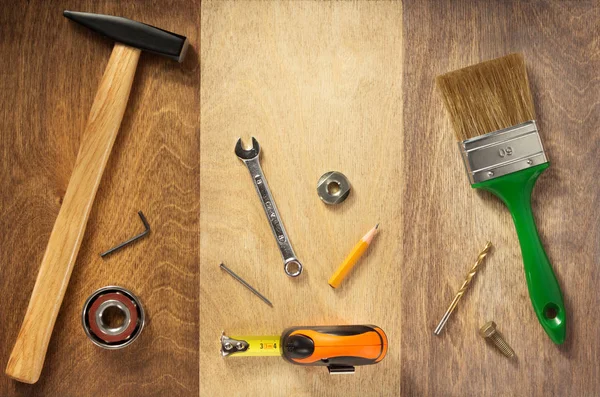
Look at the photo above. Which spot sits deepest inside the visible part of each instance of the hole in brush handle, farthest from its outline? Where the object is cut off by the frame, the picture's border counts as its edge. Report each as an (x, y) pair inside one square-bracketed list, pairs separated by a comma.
[(553, 314)]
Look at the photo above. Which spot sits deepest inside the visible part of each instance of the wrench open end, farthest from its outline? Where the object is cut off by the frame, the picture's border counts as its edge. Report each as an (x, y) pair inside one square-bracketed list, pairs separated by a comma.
[(244, 154)]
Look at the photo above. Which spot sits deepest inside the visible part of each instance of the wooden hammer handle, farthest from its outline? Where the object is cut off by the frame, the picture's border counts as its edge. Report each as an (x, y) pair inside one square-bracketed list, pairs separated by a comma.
[(27, 358)]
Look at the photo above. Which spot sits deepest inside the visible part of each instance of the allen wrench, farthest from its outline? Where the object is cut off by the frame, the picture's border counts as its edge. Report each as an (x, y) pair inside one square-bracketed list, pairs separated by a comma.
[(131, 240)]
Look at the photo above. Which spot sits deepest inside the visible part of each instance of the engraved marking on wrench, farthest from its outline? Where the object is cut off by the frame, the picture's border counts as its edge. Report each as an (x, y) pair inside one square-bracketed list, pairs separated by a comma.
[(269, 208)]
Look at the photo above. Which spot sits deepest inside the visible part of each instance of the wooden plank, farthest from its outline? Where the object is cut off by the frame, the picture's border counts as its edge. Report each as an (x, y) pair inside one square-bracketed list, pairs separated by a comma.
[(560, 43), (50, 72), (319, 86)]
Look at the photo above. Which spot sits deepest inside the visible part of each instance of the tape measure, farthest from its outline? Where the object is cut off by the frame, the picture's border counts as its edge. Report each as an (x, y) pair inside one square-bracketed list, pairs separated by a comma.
[(340, 348), (250, 346)]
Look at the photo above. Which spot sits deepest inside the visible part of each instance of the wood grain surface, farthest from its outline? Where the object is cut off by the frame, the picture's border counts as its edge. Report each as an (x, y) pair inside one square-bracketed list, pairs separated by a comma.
[(449, 222), (323, 86), (50, 71), (319, 86)]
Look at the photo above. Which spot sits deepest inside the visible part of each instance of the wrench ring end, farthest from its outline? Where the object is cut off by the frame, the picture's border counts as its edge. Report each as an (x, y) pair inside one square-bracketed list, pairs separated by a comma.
[(293, 267)]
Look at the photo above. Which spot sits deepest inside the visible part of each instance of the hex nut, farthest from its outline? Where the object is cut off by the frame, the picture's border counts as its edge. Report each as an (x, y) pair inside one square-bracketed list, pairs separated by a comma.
[(333, 187)]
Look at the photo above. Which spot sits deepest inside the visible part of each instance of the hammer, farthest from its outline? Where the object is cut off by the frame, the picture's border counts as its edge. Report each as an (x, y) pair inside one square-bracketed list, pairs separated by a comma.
[(27, 358)]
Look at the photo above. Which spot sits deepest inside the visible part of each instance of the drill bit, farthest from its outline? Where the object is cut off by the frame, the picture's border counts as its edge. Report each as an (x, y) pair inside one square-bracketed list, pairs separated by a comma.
[(464, 287)]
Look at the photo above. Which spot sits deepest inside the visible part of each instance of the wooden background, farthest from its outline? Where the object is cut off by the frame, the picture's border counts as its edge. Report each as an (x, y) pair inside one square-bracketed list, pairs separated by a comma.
[(349, 86), (319, 86), (342, 86), (450, 222), (50, 69)]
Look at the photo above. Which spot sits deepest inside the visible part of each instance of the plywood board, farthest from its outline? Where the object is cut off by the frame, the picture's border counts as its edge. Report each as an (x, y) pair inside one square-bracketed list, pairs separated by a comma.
[(50, 69), (450, 222), (319, 86)]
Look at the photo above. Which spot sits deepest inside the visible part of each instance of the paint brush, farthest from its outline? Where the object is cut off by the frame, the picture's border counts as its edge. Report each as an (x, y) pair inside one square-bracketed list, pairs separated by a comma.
[(492, 113)]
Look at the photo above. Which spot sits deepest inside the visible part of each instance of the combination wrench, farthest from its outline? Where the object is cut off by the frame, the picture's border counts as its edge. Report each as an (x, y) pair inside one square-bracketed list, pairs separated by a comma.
[(291, 264)]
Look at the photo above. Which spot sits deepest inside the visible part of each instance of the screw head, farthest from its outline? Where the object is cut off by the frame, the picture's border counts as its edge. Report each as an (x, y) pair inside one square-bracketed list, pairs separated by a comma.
[(228, 346), (490, 174), (239, 345), (488, 329)]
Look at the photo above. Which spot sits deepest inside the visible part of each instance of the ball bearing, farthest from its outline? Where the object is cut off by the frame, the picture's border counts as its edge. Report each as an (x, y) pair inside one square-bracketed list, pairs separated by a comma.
[(112, 317)]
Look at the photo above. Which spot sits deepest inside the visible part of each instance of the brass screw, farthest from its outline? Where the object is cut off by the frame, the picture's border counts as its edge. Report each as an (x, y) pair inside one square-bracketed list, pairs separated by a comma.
[(490, 333)]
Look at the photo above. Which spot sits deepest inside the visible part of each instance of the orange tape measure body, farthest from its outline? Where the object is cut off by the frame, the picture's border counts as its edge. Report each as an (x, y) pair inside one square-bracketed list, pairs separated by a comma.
[(341, 345)]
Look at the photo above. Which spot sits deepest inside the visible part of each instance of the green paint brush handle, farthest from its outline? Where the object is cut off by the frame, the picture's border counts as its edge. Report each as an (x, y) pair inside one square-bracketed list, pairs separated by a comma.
[(515, 190)]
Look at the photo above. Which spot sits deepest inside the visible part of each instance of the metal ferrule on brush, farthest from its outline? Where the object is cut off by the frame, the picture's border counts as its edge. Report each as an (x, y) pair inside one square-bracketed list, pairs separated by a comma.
[(502, 152)]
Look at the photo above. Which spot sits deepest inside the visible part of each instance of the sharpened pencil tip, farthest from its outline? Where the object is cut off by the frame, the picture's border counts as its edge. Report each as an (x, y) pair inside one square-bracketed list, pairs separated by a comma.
[(377, 226)]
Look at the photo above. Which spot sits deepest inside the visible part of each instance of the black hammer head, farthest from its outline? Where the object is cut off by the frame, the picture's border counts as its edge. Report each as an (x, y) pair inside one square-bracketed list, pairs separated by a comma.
[(133, 33)]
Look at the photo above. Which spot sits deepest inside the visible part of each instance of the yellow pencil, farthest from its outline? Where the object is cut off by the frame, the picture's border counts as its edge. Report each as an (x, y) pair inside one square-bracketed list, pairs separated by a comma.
[(352, 258)]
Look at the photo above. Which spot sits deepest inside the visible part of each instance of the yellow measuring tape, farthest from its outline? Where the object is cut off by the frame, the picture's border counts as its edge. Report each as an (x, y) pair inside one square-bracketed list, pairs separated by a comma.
[(259, 346)]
